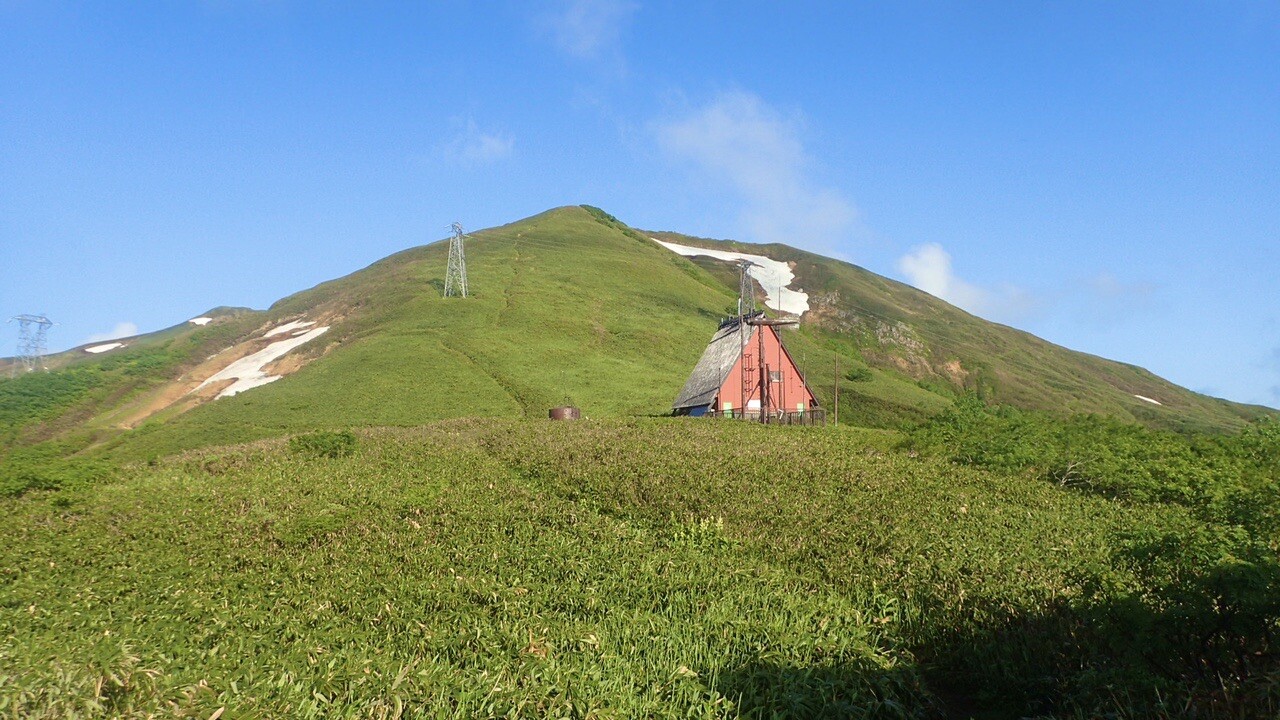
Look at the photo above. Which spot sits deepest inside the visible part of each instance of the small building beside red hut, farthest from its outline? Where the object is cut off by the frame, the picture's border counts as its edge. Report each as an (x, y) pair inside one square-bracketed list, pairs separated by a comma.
[(746, 370)]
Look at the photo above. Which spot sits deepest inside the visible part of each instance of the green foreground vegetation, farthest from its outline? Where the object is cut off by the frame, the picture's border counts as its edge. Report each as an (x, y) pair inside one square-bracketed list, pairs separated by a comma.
[(990, 563), (391, 530)]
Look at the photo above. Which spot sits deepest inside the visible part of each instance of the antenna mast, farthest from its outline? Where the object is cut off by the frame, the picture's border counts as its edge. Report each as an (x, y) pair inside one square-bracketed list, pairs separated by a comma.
[(455, 279), (32, 332), (746, 293)]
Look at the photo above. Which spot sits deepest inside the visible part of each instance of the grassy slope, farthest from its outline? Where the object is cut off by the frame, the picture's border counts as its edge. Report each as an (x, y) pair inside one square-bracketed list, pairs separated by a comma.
[(573, 304), (1003, 364), (77, 401), (658, 568), (561, 306)]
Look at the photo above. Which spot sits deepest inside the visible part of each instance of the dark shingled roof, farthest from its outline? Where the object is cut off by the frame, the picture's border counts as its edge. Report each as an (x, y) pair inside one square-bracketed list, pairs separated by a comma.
[(717, 360)]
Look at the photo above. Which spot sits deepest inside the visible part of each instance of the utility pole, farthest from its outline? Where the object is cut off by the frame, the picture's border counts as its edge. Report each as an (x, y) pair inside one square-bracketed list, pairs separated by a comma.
[(455, 278), (764, 378), (32, 333), (837, 404), (742, 362)]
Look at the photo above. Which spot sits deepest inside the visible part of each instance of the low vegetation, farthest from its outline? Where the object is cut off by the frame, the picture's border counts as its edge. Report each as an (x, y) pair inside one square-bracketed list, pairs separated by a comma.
[(657, 568), (1201, 605), (324, 444), (391, 531), (35, 396)]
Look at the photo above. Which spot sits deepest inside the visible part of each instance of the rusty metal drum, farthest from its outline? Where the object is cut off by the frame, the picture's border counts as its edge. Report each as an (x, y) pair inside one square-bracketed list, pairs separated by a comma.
[(566, 412)]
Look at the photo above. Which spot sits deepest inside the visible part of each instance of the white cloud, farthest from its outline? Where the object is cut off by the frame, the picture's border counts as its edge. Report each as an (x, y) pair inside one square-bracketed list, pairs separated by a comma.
[(1105, 286), (123, 329), (472, 146), (589, 29), (928, 267), (737, 139)]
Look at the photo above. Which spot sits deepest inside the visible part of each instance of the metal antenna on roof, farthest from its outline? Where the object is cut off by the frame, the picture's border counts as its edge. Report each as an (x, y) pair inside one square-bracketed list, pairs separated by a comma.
[(32, 332), (746, 293), (455, 278)]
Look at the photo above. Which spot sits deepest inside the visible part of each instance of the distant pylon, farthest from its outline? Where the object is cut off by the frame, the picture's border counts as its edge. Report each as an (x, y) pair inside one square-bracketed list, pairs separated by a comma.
[(455, 278), (32, 332)]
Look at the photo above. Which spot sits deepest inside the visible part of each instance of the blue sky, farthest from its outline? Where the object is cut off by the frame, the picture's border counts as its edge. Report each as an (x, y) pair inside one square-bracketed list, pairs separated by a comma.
[(1104, 175)]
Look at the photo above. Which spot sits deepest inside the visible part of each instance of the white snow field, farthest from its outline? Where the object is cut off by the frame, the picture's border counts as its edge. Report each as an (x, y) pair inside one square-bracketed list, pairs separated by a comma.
[(103, 348), (289, 326), (774, 276), (1144, 397), (247, 371), (200, 320)]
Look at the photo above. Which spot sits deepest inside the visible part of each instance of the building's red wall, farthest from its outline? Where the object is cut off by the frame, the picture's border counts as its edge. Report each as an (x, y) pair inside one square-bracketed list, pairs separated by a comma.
[(784, 395)]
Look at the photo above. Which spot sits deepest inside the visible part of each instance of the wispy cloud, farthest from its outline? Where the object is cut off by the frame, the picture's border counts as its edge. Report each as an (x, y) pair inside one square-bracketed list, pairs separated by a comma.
[(738, 140), (472, 147), (121, 330), (1106, 286), (928, 267), (589, 29), (1104, 300)]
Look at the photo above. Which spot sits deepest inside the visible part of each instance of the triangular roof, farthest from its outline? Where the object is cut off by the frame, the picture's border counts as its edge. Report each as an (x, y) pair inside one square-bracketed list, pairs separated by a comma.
[(718, 359)]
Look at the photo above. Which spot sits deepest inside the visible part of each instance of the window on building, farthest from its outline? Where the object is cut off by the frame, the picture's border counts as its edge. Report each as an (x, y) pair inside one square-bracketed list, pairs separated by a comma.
[(775, 376)]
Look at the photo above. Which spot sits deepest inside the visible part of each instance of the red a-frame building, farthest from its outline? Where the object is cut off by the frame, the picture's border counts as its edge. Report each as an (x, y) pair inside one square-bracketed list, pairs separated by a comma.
[(745, 371)]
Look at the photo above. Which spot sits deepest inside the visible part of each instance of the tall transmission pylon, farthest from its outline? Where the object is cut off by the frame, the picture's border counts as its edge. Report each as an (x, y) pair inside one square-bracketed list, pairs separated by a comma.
[(33, 330), (455, 279)]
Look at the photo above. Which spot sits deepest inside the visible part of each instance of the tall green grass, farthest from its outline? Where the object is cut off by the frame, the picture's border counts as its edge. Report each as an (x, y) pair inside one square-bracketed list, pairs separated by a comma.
[(656, 568)]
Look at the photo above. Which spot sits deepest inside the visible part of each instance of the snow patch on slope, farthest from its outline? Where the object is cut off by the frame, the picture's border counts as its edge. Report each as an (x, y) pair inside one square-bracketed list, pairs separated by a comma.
[(247, 371), (200, 320), (103, 348), (289, 326), (773, 275)]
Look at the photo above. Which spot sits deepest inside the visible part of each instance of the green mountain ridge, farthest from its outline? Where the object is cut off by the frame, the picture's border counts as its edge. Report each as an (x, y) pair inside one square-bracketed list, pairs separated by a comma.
[(573, 305)]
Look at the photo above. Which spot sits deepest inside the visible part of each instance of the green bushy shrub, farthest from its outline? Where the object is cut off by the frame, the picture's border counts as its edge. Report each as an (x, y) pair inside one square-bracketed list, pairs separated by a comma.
[(324, 444), (858, 374)]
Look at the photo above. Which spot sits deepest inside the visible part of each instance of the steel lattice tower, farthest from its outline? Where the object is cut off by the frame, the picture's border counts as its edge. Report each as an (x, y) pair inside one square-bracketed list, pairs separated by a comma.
[(455, 279), (32, 332)]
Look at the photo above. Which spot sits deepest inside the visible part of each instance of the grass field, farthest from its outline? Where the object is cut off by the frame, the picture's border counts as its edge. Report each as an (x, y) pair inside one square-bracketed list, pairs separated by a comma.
[(392, 530), (659, 568)]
